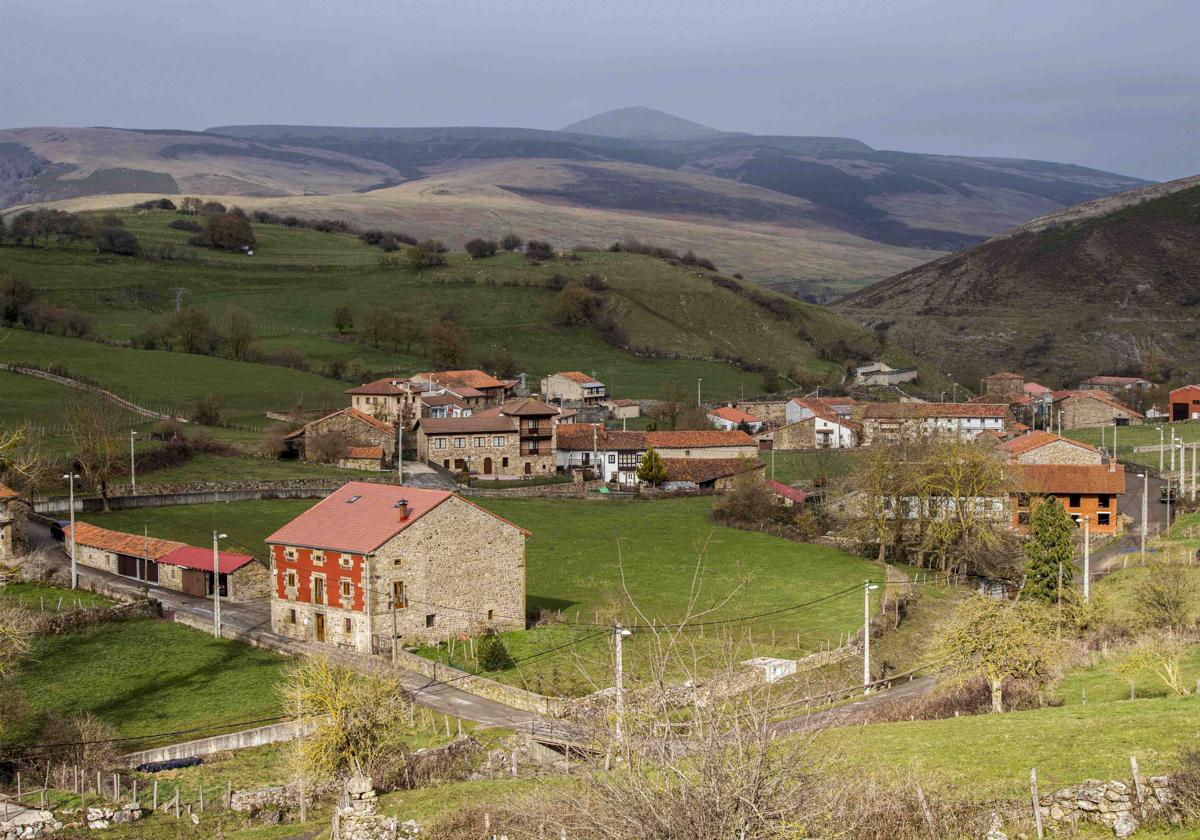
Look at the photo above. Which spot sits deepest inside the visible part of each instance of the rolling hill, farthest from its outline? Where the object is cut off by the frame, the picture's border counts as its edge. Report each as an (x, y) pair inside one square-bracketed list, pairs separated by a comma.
[(815, 216), (1110, 285)]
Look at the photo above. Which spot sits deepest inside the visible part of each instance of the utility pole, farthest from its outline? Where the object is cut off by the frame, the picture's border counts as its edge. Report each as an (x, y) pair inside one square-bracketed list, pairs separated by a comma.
[(71, 476), (1114, 434), (867, 587), (619, 633), (132, 463), (1087, 558), (217, 585), (1172, 448), (392, 607), (1193, 472), (400, 446), (772, 459), (698, 381), (1145, 477), (1161, 444)]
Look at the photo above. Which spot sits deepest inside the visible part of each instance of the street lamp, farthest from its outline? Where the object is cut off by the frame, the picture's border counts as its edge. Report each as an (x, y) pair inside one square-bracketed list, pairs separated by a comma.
[(71, 476), (619, 633), (867, 587), (132, 463), (217, 584), (1161, 444), (1087, 559)]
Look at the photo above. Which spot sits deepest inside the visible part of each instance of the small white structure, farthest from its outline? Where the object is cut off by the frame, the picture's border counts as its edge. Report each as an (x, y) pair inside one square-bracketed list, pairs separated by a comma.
[(772, 669), (879, 373)]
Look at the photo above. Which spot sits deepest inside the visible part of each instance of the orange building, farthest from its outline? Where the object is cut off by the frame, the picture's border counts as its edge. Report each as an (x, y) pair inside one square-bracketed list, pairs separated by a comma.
[(1082, 489)]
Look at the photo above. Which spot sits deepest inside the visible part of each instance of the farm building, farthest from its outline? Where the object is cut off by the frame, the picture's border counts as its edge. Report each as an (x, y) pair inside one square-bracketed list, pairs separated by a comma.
[(572, 387), (331, 438), (1184, 403), (1039, 447)]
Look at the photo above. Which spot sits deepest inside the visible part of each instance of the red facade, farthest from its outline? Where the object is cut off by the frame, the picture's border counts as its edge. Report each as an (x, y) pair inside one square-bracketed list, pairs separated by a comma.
[(305, 567), (1185, 403)]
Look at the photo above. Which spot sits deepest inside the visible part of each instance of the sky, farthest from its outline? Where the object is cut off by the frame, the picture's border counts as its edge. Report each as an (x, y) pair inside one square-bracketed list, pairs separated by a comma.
[(1112, 84)]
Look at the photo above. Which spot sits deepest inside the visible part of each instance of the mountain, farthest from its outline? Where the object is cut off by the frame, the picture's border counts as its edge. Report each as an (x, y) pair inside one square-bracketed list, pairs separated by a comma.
[(817, 217), (640, 123), (1110, 285)]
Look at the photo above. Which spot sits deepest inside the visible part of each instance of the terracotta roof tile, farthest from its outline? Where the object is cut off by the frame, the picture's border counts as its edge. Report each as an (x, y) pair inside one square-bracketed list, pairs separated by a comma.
[(580, 437), (364, 452), (624, 403), (133, 545), (465, 425), (619, 441), (1117, 381), (1037, 439), (578, 377), (353, 413), (360, 517), (907, 410), (697, 439), (7, 492), (471, 378), (701, 470), (1100, 396), (1084, 479), (387, 387), (733, 415)]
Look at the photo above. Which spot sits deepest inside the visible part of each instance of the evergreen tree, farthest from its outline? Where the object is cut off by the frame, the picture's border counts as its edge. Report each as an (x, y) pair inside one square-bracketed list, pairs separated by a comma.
[(652, 470), (493, 655), (1051, 544)]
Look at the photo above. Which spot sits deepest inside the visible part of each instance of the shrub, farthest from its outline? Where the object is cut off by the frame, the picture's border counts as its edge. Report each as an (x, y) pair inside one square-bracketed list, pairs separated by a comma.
[(226, 231), (343, 320), (117, 240), (289, 357), (539, 250), (168, 429), (208, 410), (190, 225), (212, 208), (575, 306), (1185, 782), (512, 242), (493, 655), (420, 257), (482, 248)]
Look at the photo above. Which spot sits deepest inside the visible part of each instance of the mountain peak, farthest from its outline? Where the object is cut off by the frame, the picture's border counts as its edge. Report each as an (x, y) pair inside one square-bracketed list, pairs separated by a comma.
[(641, 123)]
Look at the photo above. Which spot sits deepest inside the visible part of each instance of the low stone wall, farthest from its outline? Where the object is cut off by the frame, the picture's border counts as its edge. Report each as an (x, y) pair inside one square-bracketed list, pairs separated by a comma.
[(64, 622), (566, 489), (1114, 804)]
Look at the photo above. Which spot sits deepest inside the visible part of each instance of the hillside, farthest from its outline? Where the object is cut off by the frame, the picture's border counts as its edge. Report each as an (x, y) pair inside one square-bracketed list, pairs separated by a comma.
[(815, 216), (1110, 285), (297, 278), (641, 123)]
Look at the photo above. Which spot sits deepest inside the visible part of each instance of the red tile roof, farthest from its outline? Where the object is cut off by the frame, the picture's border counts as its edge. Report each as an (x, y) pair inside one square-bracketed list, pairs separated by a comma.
[(360, 517), (191, 557), (1100, 396), (528, 408), (465, 425), (702, 470), (1005, 374), (619, 441), (1087, 479), (1037, 439), (387, 387), (118, 542), (471, 378), (578, 377), (580, 437), (907, 410), (1035, 389), (733, 415), (698, 439), (440, 399), (7, 492), (364, 452), (779, 488), (352, 413), (624, 403)]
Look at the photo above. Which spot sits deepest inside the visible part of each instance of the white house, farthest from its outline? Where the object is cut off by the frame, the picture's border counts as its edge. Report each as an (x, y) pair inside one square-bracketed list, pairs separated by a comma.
[(879, 373), (726, 418), (892, 422)]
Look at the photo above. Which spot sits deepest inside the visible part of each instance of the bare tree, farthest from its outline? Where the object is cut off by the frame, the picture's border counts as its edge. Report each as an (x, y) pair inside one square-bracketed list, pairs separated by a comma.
[(240, 337), (98, 433)]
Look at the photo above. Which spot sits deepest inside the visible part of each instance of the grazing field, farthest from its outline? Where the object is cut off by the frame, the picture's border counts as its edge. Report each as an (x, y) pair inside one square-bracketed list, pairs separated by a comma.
[(574, 565), (1130, 437), (810, 465), (147, 677), (42, 596)]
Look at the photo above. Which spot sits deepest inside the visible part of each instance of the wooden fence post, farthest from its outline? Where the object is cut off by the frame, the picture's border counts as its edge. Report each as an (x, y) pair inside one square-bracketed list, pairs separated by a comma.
[(155, 808), (1037, 806), (1137, 788), (201, 797), (229, 796)]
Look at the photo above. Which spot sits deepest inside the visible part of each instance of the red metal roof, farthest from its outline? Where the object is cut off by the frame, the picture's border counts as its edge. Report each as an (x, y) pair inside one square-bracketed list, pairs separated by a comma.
[(191, 557), (795, 494), (360, 517)]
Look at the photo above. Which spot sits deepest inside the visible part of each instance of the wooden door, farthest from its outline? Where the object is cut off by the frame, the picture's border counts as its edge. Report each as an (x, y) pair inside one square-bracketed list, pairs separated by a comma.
[(528, 468), (318, 590), (487, 466), (151, 571), (127, 566), (195, 582), (319, 624)]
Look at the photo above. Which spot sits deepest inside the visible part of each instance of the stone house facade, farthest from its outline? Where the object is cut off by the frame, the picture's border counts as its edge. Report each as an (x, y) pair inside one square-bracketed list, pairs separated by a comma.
[(14, 514), (1081, 409), (166, 563), (1040, 447), (478, 445), (817, 431), (359, 431), (573, 387), (771, 412), (897, 422), (719, 474), (371, 557)]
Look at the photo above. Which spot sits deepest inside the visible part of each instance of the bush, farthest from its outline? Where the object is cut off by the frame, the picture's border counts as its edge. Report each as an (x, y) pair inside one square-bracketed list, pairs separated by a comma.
[(576, 306), (539, 250), (190, 225), (117, 240), (168, 429), (493, 655), (512, 242), (208, 410), (482, 248), (227, 231), (420, 257), (1185, 783)]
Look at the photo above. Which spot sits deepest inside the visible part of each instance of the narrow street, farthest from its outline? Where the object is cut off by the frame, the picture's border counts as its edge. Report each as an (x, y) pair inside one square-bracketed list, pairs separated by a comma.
[(1115, 554)]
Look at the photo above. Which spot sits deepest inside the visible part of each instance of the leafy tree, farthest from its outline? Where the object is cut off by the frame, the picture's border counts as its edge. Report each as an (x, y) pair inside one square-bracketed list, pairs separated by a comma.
[(512, 242), (482, 248), (193, 331), (652, 470), (189, 205), (227, 231), (999, 640), (240, 338), (420, 257), (208, 410), (1162, 654), (1168, 596), (771, 381), (500, 362), (343, 320), (575, 306), (212, 208), (15, 295), (1049, 552), (447, 344), (492, 653), (3, 229)]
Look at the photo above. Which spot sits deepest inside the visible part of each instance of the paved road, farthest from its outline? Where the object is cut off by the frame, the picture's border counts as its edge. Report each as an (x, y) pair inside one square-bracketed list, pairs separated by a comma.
[(1116, 552), (857, 712)]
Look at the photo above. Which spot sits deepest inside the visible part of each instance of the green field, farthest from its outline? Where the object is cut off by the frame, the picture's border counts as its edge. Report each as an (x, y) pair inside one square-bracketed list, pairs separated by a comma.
[(148, 677), (1129, 437), (44, 597), (297, 277), (813, 465), (573, 569)]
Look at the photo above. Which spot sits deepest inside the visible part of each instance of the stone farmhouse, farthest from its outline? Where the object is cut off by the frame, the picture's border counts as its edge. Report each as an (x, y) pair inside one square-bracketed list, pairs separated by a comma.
[(1115, 384), (624, 409), (896, 422), (771, 412), (371, 560), (516, 438), (572, 387), (1081, 409), (801, 408), (615, 456), (13, 517), (815, 423), (1184, 404), (702, 444), (1090, 490), (727, 418), (1039, 447), (169, 564), (393, 397), (343, 432), (719, 474)]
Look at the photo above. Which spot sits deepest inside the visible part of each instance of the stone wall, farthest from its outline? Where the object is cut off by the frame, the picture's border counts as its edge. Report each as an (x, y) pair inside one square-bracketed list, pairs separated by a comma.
[(799, 435), (249, 583), (1114, 804), (64, 622), (356, 431), (565, 489), (1060, 452), (271, 734), (1080, 412), (774, 412), (506, 457)]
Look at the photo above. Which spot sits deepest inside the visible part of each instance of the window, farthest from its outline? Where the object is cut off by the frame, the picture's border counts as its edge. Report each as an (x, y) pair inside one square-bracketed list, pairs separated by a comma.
[(347, 589), (491, 614), (399, 594), (498, 440), (459, 442), (1103, 519), (504, 462), (1073, 500), (291, 616), (480, 440), (318, 589), (429, 621), (440, 443), (612, 458), (1105, 500), (346, 561), (318, 558), (347, 625), (291, 580), (289, 554), (353, 499)]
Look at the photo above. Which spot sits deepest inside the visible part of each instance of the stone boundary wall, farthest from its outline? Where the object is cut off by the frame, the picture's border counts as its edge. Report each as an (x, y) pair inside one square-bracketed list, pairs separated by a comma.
[(566, 489), (273, 733), (65, 622), (1114, 804)]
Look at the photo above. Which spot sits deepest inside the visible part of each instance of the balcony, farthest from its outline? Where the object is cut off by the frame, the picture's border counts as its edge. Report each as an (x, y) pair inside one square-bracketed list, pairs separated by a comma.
[(537, 432)]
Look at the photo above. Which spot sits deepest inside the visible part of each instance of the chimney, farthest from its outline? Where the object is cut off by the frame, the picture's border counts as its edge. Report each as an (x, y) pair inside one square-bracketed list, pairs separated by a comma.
[(402, 506)]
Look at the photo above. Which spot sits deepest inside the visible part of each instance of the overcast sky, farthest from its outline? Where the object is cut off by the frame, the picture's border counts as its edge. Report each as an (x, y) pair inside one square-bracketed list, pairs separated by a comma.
[(1113, 84)]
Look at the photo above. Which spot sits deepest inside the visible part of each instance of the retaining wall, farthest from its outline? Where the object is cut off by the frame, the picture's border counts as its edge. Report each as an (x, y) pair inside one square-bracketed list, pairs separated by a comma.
[(271, 734)]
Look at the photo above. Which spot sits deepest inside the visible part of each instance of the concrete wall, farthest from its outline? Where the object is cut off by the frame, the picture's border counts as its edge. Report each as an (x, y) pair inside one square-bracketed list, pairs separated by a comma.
[(272, 734)]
